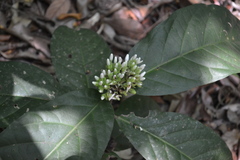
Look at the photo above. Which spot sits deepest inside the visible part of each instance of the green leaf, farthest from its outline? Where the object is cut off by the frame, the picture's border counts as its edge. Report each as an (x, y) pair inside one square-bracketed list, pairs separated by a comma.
[(12, 107), (23, 87), (78, 56), (198, 44), (172, 136), (76, 125), (140, 105)]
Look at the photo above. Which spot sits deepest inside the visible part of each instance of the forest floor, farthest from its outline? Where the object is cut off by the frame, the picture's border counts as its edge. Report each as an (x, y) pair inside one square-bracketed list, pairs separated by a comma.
[(26, 27)]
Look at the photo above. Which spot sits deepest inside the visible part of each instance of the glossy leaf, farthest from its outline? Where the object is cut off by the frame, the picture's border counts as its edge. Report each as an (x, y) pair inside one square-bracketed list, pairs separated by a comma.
[(197, 45), (23, 87), (78, 56), (76, 125), (172, 136), (140, 106)]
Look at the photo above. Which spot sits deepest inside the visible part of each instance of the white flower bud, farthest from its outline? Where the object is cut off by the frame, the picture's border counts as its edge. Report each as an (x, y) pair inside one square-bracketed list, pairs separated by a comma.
[(102, 97), (142, 74), (138, 60), (101, 75), (111, 57), (108, 81), (142, 78), (100, 83), (121, 76), (142, 66), (124, 64), (96, 77), (108, 62), (134, 67), (94, 83), (127, 58), (109, 72), (104, 72), (110, 98), (115, 71), (134, 57), (115, 59), (120, 59)]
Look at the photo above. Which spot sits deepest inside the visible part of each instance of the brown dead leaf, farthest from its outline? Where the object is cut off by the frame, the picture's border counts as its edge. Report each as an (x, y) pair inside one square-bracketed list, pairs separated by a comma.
[(231, 138), (58, 7), (123, 23), (208, 103), (4, 37), (77, 16), (187, 105)]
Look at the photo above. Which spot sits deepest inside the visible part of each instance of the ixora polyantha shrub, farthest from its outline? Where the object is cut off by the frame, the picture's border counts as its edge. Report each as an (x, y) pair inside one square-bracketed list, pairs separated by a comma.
[(120, 77), (62, 117)]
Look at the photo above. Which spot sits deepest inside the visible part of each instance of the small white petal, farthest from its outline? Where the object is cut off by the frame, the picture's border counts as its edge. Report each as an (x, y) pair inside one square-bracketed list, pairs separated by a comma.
[(115, 59), (120, 60), (102, 97), (142, 67), (142, 74), (124, 64), (129, 87), (101, 75), (110, 98), (127, 58), (134, 57), (139, 60), (96, 77), (107, 81), (134, 67), (108, 62), (142, 78), (111, 57), (100, 91), (104, 72), (109, 72), (122, 75), (94, 83), (105, 86)]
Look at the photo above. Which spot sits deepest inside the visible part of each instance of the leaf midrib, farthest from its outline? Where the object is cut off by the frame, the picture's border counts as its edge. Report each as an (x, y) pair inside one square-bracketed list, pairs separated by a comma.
[(181, 55), (151, 134), (70, 132)]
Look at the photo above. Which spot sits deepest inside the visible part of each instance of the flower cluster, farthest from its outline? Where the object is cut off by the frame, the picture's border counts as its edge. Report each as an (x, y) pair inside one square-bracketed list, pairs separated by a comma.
[(120, 77)]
